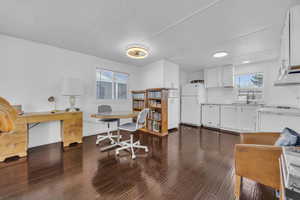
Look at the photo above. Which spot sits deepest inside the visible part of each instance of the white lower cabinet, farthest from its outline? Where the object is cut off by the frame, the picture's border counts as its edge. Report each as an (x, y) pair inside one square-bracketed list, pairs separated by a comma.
[(228, 117), (275, 122), (246, 118), (238, 117), (211, 115)]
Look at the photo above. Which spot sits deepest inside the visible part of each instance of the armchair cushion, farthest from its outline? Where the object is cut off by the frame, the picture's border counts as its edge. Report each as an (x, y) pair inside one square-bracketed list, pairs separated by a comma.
[(288, 137)]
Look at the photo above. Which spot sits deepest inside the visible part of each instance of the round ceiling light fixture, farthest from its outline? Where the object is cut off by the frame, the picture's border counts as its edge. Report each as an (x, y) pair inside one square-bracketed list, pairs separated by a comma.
[(220, 54), (246, 62), (137, 52)]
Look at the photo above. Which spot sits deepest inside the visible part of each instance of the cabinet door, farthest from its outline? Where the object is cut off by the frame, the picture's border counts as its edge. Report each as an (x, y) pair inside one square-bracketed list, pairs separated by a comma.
[(190, 111), (211, 115), (227, 76), (229, 117), (212, 77), (247, 118), (294, 36)]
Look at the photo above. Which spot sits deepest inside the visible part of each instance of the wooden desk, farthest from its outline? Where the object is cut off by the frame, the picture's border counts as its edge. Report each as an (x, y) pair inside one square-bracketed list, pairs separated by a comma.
[(71, 124), (16, 143)]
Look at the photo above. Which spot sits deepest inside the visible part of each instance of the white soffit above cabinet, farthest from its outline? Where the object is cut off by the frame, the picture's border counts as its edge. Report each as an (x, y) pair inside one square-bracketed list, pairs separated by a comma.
[(185, 32)]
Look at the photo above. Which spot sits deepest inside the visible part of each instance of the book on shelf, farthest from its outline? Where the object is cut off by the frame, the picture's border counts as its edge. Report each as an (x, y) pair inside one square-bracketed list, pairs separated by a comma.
[(140, 96), (156, 94)]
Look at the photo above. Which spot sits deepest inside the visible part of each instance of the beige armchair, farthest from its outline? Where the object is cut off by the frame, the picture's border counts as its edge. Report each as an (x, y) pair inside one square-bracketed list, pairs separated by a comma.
[(257, 159)]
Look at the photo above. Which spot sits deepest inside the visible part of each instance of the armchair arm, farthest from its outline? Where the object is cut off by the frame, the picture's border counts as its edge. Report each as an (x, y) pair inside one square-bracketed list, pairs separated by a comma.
[(259, 163), (264, 138)]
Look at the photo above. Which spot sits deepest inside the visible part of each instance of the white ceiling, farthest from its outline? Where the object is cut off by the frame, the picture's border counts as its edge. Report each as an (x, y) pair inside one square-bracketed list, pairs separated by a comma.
[(186, 32)]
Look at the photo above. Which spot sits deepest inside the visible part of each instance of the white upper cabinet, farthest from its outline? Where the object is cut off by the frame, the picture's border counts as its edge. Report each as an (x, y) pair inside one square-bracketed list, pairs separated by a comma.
[(290, 40), (227, 76), (294, 36), (219, 77), (212, 77)]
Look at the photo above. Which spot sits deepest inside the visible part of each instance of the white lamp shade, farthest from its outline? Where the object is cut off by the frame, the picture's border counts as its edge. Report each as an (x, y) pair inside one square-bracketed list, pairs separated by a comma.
[(72, 87)]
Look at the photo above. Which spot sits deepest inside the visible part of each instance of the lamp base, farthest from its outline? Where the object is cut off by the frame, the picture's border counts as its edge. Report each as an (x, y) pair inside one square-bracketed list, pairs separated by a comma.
[(72, 109)]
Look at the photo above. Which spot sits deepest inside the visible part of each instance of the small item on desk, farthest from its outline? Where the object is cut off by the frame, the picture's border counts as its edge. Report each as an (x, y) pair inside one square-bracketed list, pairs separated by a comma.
[(18, 108), (52, 100)]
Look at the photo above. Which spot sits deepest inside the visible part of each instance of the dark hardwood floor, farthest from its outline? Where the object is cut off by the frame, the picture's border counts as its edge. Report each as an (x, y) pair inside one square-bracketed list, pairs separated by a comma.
[(191, 163)]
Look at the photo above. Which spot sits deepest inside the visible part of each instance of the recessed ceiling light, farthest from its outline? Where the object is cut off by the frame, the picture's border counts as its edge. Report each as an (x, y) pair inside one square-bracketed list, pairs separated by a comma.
[(220, 54), (246, 62), (137, 52)]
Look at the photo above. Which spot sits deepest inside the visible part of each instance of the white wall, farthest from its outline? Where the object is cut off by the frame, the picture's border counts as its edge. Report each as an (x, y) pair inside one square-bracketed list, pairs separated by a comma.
[(272, 95), (31, 72)]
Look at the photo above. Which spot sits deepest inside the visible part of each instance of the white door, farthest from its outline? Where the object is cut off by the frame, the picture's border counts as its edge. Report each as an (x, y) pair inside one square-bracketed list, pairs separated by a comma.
[(247, 118), (173, 113), (229, 117), (190, 110)]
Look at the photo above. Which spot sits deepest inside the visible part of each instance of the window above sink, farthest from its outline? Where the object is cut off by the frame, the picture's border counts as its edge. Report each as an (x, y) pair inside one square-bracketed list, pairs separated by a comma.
[(249, 87)]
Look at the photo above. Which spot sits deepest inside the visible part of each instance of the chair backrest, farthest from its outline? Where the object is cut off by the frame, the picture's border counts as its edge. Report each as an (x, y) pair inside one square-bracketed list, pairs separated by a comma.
[(104, 108), (141, 119), (8, 116)]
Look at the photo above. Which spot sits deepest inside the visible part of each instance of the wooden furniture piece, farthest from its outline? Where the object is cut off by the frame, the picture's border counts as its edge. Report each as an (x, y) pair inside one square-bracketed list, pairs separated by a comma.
[(257, 159), (71, 124), (14, 140), (156, 99), (13, 132), (115, 115)]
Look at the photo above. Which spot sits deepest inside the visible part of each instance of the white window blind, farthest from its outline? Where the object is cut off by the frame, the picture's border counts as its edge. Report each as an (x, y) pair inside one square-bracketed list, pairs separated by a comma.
[(111, 85)]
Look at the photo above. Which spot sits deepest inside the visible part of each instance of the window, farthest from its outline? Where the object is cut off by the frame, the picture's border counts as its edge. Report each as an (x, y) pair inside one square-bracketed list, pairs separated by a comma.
[(111, 85), (249, 81), (250, 86)]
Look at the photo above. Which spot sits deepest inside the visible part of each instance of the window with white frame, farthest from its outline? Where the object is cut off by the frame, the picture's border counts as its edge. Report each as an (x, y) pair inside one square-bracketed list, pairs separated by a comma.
[(111, 85), (250, 86)]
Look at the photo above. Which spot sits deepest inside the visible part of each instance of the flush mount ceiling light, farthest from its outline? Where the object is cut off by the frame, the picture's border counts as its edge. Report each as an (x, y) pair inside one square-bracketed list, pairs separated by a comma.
[(246, 62), (137, 52), (220, 54)]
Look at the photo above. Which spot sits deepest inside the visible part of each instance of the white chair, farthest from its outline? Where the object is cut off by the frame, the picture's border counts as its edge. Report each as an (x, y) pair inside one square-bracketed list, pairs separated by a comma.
[(108, 134), (132, 128)]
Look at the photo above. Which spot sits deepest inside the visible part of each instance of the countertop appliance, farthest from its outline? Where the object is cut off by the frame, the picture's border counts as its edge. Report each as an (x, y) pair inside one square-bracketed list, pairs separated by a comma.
[(192, 96)]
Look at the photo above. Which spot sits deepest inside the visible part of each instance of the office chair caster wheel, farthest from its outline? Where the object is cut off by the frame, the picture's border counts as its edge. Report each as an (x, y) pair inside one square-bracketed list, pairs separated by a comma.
[(117, 153), (146, 150), (133, 157)]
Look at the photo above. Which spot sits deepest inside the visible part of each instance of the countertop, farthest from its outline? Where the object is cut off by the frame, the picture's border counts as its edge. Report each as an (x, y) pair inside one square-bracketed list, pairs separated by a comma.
[(274, 110)]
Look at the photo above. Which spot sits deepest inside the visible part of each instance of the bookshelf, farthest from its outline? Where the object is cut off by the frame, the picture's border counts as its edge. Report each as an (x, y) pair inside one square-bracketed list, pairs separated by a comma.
[(138, 100), (156, 99)]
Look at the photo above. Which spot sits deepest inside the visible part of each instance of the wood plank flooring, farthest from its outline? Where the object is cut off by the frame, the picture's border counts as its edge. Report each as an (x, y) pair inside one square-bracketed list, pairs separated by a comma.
[(191, 163)]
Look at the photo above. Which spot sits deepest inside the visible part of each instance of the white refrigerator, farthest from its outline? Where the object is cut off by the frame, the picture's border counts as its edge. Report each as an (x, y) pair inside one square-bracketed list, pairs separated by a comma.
[(173, 109), (192, 96)]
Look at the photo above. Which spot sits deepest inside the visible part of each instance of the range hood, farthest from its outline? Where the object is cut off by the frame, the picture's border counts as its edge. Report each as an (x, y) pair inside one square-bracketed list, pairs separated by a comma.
[(288, 77)]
